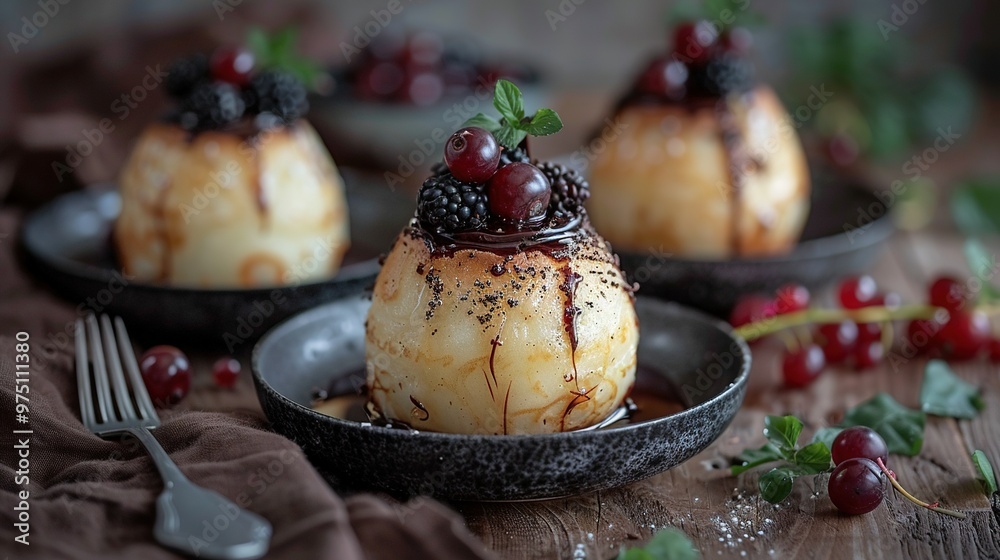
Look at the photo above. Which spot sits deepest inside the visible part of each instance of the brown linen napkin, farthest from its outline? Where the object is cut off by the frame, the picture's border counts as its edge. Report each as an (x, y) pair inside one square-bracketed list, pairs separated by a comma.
[(91, 498)]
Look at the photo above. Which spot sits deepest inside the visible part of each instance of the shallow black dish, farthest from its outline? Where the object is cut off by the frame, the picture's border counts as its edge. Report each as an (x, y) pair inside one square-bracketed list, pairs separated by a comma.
[(67, 245), (705, 365), (846, 230)]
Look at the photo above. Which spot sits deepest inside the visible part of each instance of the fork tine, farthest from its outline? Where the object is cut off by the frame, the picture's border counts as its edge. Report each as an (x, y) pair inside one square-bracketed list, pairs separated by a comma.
[(142, 399), (100, 371), (83, 377), (122, 397)]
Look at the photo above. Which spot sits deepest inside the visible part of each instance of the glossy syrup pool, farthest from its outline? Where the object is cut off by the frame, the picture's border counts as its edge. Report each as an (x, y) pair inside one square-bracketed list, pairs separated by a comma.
[(652, 397)]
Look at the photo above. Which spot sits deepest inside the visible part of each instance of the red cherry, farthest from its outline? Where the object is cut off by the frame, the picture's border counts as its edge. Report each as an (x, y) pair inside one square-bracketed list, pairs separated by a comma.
[(225, 372), (856, 486), (868, 354), (841, 338), (949, 293), (803, 366), (790, 298), (856, 292), (859, 442), (519, 191), (694, 41), (472, 154), (232, 65), (167, 374), (964, 335), (750, 309)]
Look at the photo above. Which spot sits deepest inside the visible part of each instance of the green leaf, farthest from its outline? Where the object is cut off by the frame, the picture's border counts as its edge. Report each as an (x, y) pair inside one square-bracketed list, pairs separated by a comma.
[(751, 458), (975, 206), (667, 544), (782, 431), (986, 471), (983, 266), (545, 122), (900, 427), (944, 394), (483, 121), (508, 100), (776, 484), (813, 458), (509, 136), (258, 42), (827, 435)]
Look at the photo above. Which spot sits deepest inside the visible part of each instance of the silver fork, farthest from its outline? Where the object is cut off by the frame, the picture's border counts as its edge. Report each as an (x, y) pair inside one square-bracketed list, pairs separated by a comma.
[(187, 515)]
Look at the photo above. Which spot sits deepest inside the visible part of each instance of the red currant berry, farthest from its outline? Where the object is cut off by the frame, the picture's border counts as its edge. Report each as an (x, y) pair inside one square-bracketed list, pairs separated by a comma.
[(869, 332), (964, 335), (750, 309), (694, 41), (922, 334), (519, 191), (841, 338), (472, 155), (232, 65), (856, 486), (790, 298), (421, 87), (167, 374), (859, 442), (868, 354), (948, 293), (856, 292), (993, 348), (225, 372), (802, 367)]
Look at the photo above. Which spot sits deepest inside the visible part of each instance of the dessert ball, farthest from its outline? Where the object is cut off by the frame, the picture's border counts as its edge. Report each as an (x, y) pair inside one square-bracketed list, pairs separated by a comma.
[(221, 209), (233, 189), (500, 310), (707, 164)]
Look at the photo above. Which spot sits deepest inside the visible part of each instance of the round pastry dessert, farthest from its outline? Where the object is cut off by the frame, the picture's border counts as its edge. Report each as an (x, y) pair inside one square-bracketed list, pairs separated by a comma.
[(707, 163), (235, 189), (499, 310)]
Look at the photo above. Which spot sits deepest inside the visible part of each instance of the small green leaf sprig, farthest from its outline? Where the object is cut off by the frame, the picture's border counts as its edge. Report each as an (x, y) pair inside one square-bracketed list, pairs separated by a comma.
[(514, 126)]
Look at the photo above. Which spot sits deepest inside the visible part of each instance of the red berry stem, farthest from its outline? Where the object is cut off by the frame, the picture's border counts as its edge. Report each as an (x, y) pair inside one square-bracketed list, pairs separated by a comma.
[(874, 314), (895, 484)]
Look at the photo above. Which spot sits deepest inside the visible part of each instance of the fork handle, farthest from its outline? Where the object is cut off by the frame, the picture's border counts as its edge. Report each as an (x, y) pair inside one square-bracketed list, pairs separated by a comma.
[(198, 521)]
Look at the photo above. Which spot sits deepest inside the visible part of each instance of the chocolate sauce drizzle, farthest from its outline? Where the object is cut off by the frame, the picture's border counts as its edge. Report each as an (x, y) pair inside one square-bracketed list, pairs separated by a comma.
[(420, 407), (553, 238)]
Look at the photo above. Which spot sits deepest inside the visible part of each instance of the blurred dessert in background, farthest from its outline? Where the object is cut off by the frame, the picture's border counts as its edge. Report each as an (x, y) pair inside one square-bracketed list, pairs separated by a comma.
[(500, 310), (233, 189), (708, 164)]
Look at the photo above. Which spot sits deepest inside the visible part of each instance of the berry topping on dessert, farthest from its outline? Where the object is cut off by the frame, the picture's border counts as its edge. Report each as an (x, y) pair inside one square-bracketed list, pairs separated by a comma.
[(703, 63), (218, 91), (489, 183)]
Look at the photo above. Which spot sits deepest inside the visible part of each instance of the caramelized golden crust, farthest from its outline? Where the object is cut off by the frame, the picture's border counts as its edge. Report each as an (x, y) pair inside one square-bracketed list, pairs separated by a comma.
[(666, 184), (471, 341), (221, 209)]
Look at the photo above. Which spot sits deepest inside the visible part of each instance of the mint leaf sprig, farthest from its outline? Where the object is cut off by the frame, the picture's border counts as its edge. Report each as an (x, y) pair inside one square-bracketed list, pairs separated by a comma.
[(277, 50), (513, 126), (782, 433), (667, 544)]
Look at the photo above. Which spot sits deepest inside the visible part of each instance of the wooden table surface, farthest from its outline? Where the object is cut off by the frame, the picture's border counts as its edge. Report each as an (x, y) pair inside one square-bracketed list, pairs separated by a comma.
[(723, 514)]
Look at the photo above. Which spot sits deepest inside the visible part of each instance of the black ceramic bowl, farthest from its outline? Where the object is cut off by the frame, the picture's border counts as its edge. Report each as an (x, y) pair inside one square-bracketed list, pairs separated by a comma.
[(67, 244), (703, 363), (846, 230)]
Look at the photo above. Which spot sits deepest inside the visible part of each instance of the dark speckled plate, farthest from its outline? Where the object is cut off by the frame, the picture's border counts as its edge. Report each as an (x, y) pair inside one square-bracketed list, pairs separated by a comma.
[(698, 358), (67, 245), (846, 230)]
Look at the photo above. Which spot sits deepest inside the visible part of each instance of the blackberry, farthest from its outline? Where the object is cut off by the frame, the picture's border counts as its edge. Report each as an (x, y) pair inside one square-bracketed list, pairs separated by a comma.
[(449, 205), (569, 189), (211, 105), (727, 73), (277, 92), (184, 74), (511, 156)]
